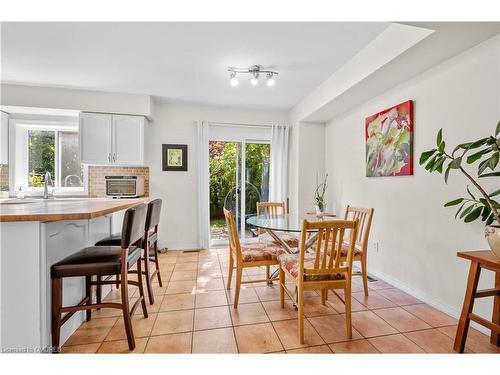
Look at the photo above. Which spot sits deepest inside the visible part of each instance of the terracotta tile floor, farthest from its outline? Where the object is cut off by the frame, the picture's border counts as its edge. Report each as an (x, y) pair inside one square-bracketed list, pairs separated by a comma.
[(192, 313)]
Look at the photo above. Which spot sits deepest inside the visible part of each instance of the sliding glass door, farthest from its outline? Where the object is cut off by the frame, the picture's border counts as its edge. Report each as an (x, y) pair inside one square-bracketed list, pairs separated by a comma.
[(239, 178)]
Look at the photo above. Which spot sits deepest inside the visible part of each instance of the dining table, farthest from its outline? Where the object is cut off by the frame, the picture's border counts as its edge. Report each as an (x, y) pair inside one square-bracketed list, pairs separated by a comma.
[(290, 223)]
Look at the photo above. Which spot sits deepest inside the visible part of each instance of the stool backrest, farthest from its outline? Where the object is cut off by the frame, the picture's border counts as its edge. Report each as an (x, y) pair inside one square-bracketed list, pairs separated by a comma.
[(133, 225), (153, 216)]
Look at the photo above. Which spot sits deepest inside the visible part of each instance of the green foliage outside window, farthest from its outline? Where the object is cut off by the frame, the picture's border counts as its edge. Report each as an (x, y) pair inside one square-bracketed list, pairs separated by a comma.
[(41, 154)]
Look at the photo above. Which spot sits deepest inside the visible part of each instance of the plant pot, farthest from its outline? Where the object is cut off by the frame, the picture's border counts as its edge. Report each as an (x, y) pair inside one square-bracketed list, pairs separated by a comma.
[(492, 234)]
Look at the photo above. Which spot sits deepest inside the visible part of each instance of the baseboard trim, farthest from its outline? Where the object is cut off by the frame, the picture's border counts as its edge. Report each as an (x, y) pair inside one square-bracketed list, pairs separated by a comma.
[(443, 307)]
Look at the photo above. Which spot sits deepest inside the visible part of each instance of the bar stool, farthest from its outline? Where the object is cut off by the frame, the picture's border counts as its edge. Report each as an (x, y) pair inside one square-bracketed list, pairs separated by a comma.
[(151, 236), (101, 261)]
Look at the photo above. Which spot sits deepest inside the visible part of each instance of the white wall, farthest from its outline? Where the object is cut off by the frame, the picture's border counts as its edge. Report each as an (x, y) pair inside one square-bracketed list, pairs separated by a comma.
[(176, 124), (418, 238), (311, 164)]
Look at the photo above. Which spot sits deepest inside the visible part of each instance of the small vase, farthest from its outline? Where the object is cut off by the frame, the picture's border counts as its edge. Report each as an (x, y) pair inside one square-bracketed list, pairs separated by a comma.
[(492, 234), (319, 211)]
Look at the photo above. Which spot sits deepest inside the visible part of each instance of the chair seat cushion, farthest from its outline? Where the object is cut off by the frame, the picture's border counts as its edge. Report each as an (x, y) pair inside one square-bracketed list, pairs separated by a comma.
[(290, 263), (345, 248), (260, 252), (290, 239), (114, 240), (94, 260)]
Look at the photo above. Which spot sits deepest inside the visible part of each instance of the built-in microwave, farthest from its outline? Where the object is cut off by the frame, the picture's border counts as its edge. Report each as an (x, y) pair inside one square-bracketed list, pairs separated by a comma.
[(124, 186)]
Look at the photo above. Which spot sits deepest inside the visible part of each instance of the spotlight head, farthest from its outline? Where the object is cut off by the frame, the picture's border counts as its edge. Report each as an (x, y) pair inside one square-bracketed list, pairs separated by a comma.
[(270, 80), (255, 79), (233, 80)]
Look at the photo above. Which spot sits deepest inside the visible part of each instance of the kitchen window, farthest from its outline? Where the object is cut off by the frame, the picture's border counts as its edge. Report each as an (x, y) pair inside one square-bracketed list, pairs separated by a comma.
[(47, 147)]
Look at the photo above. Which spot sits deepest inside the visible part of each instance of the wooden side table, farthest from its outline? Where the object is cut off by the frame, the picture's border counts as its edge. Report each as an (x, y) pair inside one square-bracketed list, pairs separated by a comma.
[(479, 260)]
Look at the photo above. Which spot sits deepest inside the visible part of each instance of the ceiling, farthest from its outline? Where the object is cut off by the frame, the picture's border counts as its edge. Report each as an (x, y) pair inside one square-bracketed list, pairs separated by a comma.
[(182, 62)]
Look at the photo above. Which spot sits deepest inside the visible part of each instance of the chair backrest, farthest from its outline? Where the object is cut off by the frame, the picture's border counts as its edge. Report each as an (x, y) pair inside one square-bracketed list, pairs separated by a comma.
[(327, 251), (271, 209), (153, 216), (364, 216), (134, 222), (234, 240)]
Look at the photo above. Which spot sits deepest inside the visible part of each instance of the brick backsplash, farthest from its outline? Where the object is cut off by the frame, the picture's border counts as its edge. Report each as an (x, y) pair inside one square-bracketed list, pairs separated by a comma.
[(4, 176), (97, 184)]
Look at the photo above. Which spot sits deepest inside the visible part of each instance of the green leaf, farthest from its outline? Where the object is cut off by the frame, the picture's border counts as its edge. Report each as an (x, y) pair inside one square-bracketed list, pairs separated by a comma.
[(438, 165), (486, 212), (495, 193), (455, 163), (494, 160), (441, 147), (426, 155), (477, 144), (497, 131), (494, 174), (460, 209), (473, 215), (431, 162), (472, 195), (447, 173), (482, 166), (454, 202), (467, 210), (439, 137), (472, 158)]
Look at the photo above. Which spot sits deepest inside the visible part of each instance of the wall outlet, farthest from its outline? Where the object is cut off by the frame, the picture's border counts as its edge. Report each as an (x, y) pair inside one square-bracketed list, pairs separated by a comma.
[(375, 246)]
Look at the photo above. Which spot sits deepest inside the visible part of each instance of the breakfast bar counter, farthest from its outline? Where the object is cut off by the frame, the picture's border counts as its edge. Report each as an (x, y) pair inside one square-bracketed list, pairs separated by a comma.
[(62, 208), (35, 234)]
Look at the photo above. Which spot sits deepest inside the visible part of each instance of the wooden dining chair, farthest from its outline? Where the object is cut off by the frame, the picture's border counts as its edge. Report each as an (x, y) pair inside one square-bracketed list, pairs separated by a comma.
[(317, 270), (364, 216), (272, 210), (243, 256)]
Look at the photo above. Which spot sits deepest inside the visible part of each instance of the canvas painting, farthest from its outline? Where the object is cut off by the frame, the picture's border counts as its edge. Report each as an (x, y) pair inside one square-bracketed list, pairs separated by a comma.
[(389, 142)]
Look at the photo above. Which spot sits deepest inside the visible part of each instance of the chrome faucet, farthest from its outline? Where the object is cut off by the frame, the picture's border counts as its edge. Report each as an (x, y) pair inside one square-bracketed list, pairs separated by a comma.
[(48, 178)]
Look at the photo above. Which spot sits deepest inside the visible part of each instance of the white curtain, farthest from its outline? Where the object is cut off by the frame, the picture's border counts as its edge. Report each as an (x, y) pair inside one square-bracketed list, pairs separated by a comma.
[(203, 188), (278, 174)]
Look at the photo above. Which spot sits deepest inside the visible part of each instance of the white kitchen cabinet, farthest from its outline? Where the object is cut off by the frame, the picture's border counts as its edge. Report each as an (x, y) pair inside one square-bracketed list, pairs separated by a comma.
[(107, 139), (128, 140), (4, 138), (95, 138)]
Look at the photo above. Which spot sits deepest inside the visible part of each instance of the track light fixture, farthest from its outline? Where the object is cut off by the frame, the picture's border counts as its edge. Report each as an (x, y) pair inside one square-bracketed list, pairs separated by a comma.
[(255, 71)]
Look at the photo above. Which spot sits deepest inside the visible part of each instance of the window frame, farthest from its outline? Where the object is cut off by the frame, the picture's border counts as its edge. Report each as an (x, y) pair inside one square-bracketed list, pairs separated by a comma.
[(19, 153)]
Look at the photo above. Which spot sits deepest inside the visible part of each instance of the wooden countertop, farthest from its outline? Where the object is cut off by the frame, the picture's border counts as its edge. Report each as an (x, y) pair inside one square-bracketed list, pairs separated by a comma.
[(64, 209)]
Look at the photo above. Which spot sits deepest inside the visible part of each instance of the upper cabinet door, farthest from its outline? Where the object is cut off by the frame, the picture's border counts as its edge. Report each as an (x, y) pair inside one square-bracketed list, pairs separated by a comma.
[(128, 140), (95, 138), (4, 138)]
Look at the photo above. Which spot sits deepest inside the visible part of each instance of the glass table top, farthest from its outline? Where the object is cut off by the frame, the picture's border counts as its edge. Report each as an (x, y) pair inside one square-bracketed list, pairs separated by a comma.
[(284, 223)]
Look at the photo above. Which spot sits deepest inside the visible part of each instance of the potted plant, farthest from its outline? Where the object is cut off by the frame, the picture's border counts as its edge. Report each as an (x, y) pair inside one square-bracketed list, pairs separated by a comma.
[(486, 153), (319, 196)]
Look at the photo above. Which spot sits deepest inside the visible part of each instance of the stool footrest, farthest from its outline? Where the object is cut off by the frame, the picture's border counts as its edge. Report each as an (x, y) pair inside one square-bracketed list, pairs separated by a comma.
[(476, 318)]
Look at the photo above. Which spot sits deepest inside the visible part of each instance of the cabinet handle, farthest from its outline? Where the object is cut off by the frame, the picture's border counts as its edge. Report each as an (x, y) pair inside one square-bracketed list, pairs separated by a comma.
[(114, 157), (109, 157)]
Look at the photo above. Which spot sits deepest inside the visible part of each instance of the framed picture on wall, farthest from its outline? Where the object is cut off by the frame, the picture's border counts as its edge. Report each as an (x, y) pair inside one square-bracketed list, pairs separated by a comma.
[(389, 141), (174, 157)]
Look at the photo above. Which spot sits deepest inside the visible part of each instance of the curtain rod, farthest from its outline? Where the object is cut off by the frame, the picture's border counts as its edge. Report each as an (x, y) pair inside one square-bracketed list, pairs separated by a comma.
[(239, 124)]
